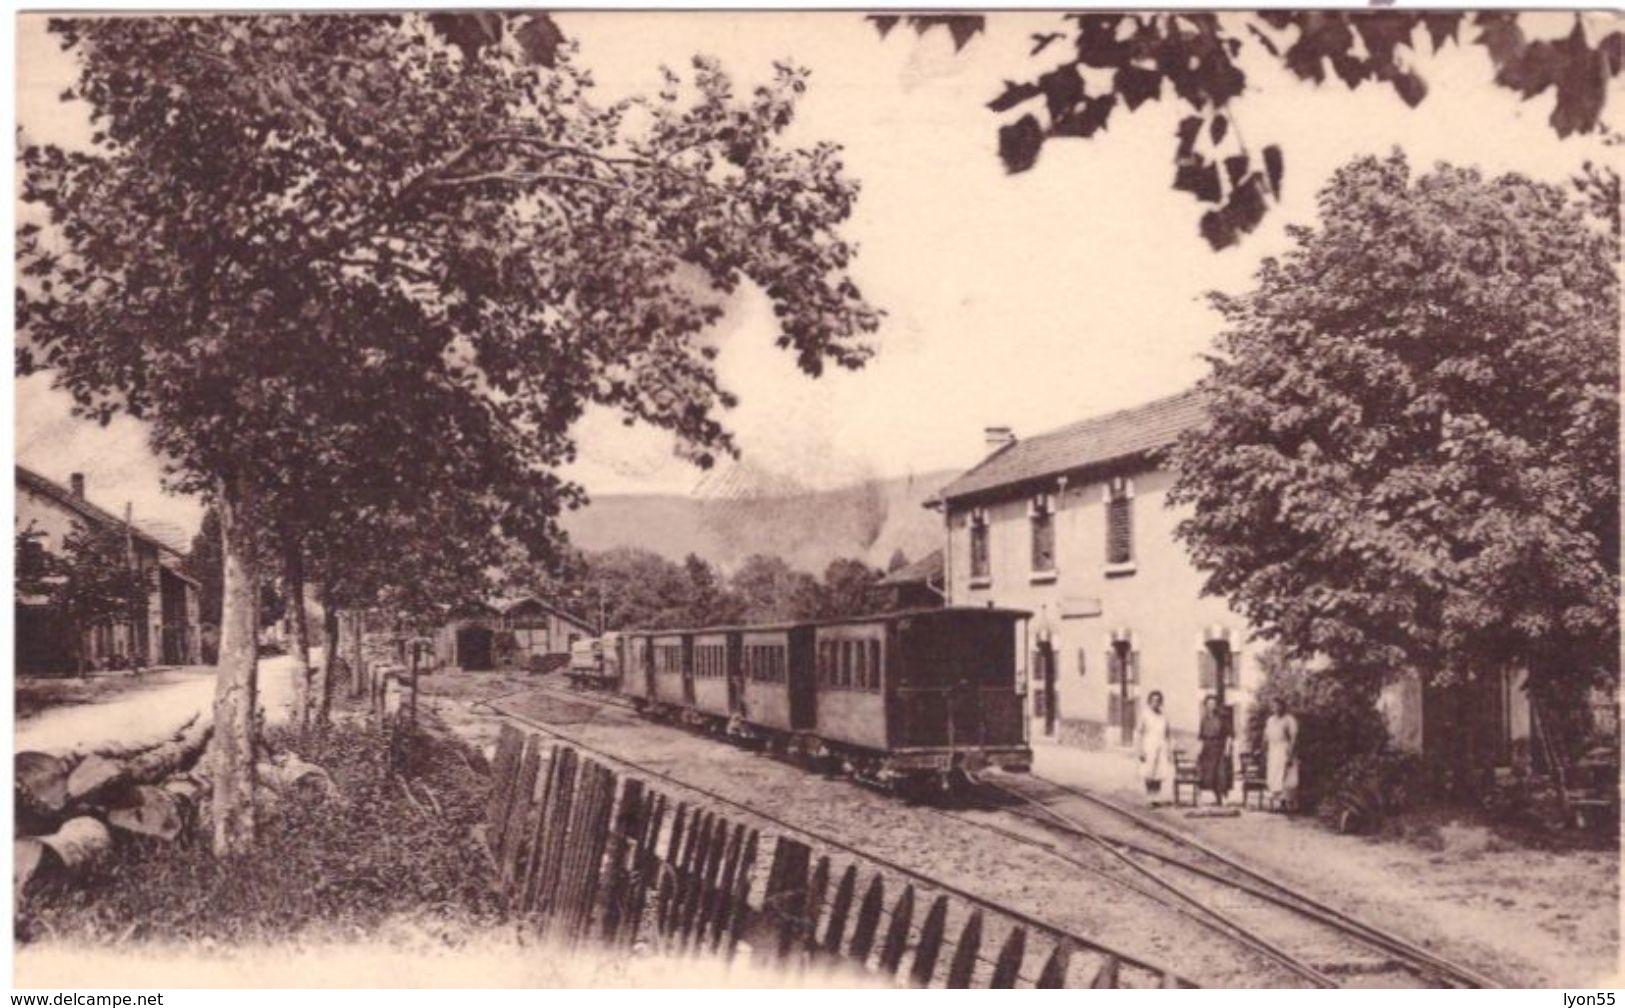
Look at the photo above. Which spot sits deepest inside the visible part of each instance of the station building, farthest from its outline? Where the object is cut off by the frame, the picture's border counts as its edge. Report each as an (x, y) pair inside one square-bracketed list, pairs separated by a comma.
[(1073, 525)]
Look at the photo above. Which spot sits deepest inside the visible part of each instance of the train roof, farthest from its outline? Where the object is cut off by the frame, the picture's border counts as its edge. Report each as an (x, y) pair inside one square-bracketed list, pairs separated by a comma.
[(937, 612)]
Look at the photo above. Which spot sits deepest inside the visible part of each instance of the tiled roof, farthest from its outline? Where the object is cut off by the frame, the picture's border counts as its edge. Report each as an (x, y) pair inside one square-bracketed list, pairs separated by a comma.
[(1092, 442), (64, 496), (925, 570), (507, 604)]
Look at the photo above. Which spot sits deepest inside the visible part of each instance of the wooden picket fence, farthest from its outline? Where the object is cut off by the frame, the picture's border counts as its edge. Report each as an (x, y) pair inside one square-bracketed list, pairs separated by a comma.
[(587, 856)]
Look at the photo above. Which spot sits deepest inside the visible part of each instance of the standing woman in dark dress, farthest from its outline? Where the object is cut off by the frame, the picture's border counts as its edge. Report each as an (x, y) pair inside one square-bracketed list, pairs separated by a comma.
[(1213, 761)]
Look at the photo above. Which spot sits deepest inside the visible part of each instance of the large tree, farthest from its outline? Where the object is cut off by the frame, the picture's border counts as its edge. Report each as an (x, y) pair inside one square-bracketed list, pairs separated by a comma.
[(285, 219), (1412, 460)]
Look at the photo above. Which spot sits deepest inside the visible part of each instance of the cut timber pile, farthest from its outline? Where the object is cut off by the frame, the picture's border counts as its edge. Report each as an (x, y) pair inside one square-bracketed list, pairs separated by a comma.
[(71, 809)]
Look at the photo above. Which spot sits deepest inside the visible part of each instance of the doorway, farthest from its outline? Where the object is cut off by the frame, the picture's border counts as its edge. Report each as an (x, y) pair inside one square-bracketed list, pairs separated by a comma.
[(474, 647), (1046, 685), (1125, 670)]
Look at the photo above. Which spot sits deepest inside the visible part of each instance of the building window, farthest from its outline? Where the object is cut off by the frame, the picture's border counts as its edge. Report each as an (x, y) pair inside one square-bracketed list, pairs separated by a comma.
[(1119, 523), (978, 547), (1042, 514), (1213, 658)]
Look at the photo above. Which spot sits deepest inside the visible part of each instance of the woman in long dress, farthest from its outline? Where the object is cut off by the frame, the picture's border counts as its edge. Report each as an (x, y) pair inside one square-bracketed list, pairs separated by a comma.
[(1155, 745), (1213, 760), (1281, 756)]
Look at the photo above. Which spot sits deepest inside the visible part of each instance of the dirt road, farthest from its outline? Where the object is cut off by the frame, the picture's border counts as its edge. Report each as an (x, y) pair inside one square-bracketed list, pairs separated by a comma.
[(147, 714)]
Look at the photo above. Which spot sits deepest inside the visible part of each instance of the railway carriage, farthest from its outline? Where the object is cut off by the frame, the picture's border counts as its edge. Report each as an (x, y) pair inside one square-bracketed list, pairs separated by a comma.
[(894, 698), (612, 661), (921, 693), (637, 670), (779, 693), (715, 659), (673, 682)]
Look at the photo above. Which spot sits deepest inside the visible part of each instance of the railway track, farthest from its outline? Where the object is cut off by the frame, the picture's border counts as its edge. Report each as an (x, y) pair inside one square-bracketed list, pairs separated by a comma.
[(1152, 972), (1319, 943), (1286, 929)]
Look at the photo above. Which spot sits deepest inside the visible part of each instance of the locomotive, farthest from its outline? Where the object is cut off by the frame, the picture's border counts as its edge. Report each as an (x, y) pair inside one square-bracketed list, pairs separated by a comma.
[(898, 700)]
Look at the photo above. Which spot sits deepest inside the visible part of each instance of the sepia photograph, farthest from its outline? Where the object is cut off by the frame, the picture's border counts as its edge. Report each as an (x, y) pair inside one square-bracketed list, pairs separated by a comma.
[(679, 498)]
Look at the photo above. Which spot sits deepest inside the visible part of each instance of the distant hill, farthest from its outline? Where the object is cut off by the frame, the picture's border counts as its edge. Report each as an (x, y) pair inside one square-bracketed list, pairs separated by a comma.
[(737, 514)]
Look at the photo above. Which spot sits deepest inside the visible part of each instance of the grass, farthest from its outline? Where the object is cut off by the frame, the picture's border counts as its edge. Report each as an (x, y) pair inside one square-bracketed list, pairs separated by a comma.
[(323, 868)]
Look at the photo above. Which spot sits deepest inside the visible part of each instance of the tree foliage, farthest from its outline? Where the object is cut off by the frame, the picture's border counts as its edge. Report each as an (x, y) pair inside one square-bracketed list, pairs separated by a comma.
[(205, 564), (370, 269), (1119, 62), (1412, 455), (95, 578)]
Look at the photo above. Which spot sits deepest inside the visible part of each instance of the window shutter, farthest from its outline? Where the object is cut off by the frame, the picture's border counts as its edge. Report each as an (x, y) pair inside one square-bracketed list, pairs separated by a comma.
[(1134, 667), (1082, 662), (1114, 709), (1206, 668), (1232, 670), (1114, 666)]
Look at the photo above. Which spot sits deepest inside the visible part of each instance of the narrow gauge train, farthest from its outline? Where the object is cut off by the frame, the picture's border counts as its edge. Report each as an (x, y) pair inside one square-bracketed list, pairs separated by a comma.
[(897, 700)]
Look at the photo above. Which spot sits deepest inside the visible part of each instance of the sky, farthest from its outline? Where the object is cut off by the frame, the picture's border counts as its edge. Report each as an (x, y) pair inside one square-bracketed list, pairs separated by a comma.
[(1028, 301)]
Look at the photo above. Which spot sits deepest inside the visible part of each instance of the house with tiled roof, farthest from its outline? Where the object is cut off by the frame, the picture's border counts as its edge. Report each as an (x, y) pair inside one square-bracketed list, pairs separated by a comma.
[(166, 634), (520, 631), (1072, 526)]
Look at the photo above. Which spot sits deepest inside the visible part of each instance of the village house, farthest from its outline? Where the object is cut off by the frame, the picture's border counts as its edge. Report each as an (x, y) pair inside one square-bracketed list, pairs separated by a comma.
[(518, 632), (916, 585), (167, 634), (1072, 525)]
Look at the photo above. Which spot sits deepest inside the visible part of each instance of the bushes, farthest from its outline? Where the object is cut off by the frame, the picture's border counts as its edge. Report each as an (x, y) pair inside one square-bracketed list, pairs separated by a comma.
[(1370, 786), (322, 867), (1337, 721)]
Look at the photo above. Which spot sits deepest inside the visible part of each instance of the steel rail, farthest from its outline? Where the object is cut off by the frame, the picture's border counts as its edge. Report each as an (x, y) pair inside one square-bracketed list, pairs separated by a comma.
[(1416, 958), (1214, 920), (1020, 917), (1310, 906)]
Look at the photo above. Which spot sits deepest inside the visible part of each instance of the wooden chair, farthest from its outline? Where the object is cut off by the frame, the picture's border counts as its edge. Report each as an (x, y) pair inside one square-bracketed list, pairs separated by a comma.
[(1185, 775), (1252, 778)]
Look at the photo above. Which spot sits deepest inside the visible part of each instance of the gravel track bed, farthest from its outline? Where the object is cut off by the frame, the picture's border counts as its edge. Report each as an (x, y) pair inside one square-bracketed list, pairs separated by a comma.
[(959, 853)]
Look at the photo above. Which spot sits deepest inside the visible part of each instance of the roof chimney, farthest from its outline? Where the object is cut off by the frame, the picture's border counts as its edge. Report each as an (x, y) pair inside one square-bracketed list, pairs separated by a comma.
[(998, 437), (77, 483)]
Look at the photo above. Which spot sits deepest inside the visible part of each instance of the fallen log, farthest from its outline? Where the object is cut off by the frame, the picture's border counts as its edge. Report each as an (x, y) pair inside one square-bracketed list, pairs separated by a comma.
[(149, 811), (290, 776), (41, 791), (79, 844), (29, 867), (101, 780)]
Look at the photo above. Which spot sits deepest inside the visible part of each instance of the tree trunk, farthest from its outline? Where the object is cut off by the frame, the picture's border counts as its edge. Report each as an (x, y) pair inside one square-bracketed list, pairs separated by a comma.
[(236, 684), (322, 689), (79, 645), (357, 623), (294, 569)]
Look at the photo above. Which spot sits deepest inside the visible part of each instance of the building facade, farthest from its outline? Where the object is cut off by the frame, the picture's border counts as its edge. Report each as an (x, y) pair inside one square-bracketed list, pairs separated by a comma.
[(166, 634), (1074, 526)]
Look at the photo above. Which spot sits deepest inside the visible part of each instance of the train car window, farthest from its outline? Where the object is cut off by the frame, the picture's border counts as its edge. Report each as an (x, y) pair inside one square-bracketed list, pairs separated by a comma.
[(860, 671), (874, 665), (846, 664)]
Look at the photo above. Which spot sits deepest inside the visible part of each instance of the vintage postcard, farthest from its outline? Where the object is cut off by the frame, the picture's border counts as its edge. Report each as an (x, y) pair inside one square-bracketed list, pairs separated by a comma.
[(819, 498)]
